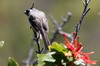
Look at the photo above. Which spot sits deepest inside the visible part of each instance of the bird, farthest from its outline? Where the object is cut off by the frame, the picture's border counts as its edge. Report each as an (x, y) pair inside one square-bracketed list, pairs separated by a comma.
[(39, 24)]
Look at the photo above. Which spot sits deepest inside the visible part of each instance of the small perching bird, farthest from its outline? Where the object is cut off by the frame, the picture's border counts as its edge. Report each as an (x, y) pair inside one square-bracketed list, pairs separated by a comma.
[(39, 24)]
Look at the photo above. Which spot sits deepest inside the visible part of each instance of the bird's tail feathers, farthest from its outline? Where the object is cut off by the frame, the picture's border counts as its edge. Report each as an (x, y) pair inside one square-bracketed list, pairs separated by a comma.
[(45, 39)]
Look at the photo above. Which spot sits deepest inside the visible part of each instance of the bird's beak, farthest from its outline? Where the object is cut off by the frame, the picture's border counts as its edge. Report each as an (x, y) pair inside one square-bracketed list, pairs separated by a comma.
[(24, 12)]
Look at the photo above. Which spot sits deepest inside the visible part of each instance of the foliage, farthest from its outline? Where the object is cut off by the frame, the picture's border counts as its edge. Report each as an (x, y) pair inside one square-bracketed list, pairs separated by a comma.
[(12, 62), (44, 58), (65, 54), (55, 56)]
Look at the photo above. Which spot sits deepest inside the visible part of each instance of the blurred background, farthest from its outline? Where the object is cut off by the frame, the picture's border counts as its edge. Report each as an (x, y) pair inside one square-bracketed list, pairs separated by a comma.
[(15, 29)]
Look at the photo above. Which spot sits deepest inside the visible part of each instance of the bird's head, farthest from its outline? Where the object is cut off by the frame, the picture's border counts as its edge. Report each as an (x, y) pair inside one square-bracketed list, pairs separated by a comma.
[(27, 12)]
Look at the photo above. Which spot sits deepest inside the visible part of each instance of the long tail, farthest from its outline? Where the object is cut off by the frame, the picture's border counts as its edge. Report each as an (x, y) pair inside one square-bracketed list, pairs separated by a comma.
[(45, 39)]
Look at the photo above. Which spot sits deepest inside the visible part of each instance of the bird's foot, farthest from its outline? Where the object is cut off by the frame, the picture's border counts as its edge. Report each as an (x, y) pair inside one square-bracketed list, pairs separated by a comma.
[(39, 51)]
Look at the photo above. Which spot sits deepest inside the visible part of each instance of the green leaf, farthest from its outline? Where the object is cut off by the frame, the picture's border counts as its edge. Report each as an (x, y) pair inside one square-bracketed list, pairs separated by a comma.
[(42, 58), (12, 62), (1, 44), (57, 47), (60, 53)]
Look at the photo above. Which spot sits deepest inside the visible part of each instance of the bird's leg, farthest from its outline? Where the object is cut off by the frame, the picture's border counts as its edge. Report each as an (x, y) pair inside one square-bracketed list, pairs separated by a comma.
[(38, 44), (35, 35), (36, 38)]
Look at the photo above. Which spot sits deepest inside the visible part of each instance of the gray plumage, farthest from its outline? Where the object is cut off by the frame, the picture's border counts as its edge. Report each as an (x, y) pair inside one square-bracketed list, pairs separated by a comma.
[(39, 24)]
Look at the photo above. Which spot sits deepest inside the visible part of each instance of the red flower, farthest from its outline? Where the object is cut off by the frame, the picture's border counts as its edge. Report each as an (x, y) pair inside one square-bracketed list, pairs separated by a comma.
[(76, 49)]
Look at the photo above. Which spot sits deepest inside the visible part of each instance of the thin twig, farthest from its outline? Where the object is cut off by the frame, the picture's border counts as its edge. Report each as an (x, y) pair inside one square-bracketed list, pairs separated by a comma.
[(34, 61), (29, 60), (59, 27), (30, 53), (56, 25), (67, 34), (65, 20), (85, 11)]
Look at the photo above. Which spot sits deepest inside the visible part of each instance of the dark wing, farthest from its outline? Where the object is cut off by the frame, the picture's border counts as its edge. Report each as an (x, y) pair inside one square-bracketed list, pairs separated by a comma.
[(35, 23)]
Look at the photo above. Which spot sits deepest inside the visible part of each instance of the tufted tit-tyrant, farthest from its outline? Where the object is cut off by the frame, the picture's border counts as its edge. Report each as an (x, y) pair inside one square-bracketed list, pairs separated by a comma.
[(39, 24)]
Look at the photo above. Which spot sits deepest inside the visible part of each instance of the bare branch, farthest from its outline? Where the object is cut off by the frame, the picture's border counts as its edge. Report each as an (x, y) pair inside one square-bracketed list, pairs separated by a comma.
[(34, 61), (85, 11), (54, 35), (65, 20), (30, 53), (59, 27), (53, 21), (67, 34)]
